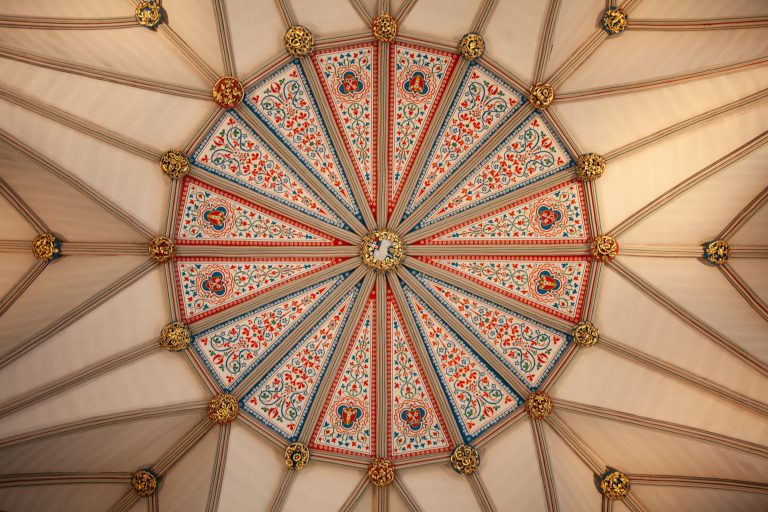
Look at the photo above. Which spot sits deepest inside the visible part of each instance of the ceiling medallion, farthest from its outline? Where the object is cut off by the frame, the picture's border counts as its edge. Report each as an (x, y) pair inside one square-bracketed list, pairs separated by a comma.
[(604, 248), (615, 485), (465, 459), (472, 46), (384, 27), (161, 249), (381, 472), (614, 20), (717, 252), (538, 405), (590, 166), (46, 247), (148, 14), (227, 92), (144, 482), (585, 334), (298, 41), (541, 95), (175, 337), (174, 163), (223, 408), (296, 456), (382, 250)]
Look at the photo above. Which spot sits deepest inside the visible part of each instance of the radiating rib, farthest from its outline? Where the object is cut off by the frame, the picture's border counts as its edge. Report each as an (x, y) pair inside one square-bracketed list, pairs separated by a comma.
[(483, 15), (744, 290), (278, 500), (225, 37), (103, 74), (354, 497), (545, 43), (664, 426), (35, 479), (78, 377), (574, 442), (23, 208), (699, 24), (104, 248), (687, 317), (662, 251), (644, 85), (80, 124), (744, 215), (404, 9), (587, 48), (102, 421), (18, 289), (44, 23), (701, 482), (676, 128), (77, 313), (677, 372), (710, 170), (76, 183), (382, 364), (405, 495), (362, 10), (545, 466), (282, 251), (480, 492), (286, 13), (220, 461)]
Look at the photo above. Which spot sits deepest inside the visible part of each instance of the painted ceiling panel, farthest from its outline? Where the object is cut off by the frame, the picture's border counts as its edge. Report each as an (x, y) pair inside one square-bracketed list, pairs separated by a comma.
[(408, 371)]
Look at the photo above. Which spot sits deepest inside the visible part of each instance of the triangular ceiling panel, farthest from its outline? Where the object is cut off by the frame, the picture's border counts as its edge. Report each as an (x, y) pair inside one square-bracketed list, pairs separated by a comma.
[(553, 284), (528, 348), (211, 216), (479, 397), (281, 400), (530, 153), (556, 215), (233, 151), (285, 104), (347, 423), (12, 225), (573, 481), (209, 285), (232, 349), (350, 82), (417, 427), (418, 77), (481, 106)]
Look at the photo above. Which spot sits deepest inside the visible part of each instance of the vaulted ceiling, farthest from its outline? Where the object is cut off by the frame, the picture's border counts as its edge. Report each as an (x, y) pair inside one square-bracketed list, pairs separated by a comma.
[(408, 364)]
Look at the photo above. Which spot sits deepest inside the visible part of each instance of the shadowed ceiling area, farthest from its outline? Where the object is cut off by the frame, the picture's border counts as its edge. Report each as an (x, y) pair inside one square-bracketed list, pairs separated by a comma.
[(383, 255)]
